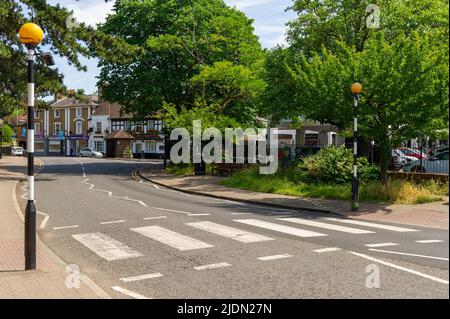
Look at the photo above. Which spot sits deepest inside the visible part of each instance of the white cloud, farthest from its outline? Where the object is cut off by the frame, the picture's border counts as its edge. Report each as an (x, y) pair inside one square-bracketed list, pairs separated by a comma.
[(89, 12), (242, 4)]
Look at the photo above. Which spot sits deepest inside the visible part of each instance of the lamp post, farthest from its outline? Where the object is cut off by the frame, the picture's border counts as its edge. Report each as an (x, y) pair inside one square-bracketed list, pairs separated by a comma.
[(31, 35), (356, 91)]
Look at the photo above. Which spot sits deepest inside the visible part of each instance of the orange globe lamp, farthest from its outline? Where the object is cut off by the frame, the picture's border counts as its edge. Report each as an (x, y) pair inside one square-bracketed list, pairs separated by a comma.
[(31, 34), (357, 88)]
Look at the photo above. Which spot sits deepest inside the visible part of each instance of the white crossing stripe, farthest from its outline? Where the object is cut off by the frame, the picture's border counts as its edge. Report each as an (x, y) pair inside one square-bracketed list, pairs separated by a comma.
[(326, 226), (129, 293), (66, 227), (141, 277), (212, 266), (326, 250), (429, 241), (112, 222), (106, 247), (275, 257), (171, 238), (279, 228), (381, 245), (158, 217), (229, 232), (373, 225)]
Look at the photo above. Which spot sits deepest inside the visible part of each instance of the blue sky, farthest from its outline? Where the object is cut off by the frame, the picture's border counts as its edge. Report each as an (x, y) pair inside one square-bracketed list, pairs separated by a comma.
[(269, 18)]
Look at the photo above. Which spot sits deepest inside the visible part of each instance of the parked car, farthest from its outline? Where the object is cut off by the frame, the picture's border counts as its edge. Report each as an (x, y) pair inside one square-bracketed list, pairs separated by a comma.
[(438, 150), (435, 164), (17, 151), (413, 152), (89, 152), (401, 158)]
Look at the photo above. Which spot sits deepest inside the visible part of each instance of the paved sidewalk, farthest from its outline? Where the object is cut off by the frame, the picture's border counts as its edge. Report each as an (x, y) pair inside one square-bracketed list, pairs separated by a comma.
[(49, 280), (433, 215)]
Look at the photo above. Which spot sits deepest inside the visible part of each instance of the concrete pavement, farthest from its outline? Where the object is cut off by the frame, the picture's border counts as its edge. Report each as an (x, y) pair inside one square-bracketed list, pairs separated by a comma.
[(139, 240), (51, 279), (434, 215)]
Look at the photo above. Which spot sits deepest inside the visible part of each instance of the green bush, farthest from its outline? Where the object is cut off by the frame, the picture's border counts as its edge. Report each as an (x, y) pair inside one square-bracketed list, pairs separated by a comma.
[(335, 164)]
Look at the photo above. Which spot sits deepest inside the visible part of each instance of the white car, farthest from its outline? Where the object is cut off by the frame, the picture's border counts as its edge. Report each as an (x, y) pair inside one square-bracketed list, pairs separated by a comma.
[(435, 164), (403, 159), (17, 151), (89, 152)]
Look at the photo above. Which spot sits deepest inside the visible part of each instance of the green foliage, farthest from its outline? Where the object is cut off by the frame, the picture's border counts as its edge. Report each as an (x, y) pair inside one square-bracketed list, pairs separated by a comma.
[(335, 164), (192, 49), (7, 133), (403, 66), (292, 182), (69, 43), (127, 152)]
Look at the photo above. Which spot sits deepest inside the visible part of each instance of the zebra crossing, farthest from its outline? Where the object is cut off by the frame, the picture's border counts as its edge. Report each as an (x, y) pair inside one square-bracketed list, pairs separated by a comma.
[(110, 249)]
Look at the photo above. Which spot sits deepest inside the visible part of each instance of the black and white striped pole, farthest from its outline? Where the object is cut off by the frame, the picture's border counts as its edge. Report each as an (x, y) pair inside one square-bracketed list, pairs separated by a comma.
[(31, 35), (356, 90)]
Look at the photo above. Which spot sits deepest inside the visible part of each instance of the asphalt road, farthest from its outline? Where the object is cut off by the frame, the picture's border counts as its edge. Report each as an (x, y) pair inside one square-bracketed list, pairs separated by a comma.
[(148, 241)]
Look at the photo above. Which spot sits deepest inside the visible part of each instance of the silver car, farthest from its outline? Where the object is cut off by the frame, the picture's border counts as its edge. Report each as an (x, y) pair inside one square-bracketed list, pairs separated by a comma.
[(89, 152), (17, 151), (435, 164)]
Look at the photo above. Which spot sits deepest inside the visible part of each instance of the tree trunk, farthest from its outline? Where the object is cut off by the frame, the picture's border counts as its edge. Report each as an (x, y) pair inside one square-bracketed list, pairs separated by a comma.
[(385, 158)]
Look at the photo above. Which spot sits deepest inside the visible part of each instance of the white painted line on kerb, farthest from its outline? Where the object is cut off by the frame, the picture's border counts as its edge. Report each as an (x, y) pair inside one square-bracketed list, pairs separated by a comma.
[(229, 232), (274, 257), (141, 277), (171, 238), (106, 247), (326, 250), (158, 217), (326, 226), (411, 271), (65, 227), (112, 222), (279, 228), (381, 245), (373, 225), (129, 293), (407, 254), (212, 266), (429, 241)]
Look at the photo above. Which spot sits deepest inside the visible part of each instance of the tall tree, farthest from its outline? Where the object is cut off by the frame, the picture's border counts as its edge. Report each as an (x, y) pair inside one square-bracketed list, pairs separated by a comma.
[(403, 65), (62, 40), (182, 41)]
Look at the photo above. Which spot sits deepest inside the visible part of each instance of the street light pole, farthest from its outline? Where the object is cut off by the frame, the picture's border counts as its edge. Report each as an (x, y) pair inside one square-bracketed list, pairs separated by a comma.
[(356, 90), (31, 35)]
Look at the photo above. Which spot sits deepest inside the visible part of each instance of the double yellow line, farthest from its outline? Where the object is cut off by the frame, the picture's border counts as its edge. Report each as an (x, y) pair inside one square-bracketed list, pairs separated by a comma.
[(134, 175)]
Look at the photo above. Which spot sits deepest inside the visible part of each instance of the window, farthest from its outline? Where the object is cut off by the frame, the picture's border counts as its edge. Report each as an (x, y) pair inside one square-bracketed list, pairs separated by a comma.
[(78, 112), (99, 146), (56, 128), (37, 128), (56, 113), (36, 114), (155, 125), (78, 128), (138, 129), (151, 146), (98, 127)]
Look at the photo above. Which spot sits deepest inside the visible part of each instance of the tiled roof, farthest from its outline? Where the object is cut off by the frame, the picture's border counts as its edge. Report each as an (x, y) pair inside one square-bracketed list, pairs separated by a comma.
[(111, 109), (122, 135), (73, 102)]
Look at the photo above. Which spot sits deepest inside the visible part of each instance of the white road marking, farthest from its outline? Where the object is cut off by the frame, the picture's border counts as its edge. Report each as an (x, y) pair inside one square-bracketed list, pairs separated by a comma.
[(141, 277), (212, 266), (179, 211), (65, 227), (326, 226), (158, 217), (275, 257), (326, 250), (129, 293), (407, 254), (381, 245), (44, 221), (171, 238), (113, 222), (279, 228), (241, 213), (373, 225), (229, 232), (429, 241), (106, 247), (411, 271)]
